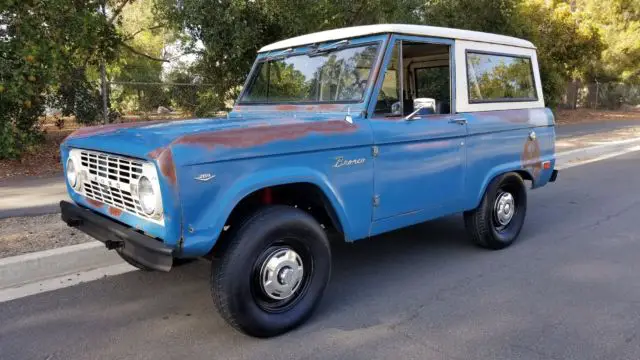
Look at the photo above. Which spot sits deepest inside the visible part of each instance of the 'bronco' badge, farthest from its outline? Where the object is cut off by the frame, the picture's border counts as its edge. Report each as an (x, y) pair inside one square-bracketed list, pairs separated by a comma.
[(340, 162)]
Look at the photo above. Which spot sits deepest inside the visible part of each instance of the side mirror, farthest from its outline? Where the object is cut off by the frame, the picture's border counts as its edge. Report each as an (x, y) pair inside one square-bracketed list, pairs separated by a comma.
[(415, 112)]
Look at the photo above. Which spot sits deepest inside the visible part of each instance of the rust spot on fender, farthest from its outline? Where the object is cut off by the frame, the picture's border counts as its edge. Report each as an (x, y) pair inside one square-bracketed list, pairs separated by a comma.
[(114, 211), (254, 136), (164, 157), (329, 107), (94, 203), (286, 108), (107, 129), (530, 157)]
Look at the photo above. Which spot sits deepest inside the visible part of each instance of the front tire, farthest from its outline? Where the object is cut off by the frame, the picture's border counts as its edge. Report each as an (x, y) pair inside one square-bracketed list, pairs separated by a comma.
[(273, 273), (497, 222)]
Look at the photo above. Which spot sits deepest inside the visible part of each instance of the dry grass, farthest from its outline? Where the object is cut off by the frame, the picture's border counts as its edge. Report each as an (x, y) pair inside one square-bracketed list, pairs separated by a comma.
[(581, 116), (43, 161), (22, 235)]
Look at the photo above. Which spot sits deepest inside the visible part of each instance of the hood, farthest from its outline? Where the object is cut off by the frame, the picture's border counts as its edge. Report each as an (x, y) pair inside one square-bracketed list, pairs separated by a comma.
[(200, 141), (138, 139)]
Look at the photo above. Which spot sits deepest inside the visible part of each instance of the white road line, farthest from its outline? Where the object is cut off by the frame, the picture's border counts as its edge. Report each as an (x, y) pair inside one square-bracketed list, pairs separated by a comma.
[(571, 164), (63, 282)]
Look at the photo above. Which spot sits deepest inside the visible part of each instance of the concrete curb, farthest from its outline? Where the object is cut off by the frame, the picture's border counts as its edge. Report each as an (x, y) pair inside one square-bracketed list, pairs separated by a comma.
[(566, 158), (42, 265)]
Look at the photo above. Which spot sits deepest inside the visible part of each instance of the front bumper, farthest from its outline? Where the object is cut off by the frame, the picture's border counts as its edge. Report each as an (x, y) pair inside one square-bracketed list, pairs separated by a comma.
[(143, 249)]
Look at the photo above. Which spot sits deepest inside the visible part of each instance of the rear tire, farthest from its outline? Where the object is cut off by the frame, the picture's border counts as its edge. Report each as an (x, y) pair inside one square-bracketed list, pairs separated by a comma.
[(496, 222), (273, 273)]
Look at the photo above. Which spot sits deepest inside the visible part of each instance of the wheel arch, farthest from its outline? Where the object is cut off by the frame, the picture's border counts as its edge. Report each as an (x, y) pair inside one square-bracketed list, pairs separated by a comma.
[(524, 173), (258, 186)]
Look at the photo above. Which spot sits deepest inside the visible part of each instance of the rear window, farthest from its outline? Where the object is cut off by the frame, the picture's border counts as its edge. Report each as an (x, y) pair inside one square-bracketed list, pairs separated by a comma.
[(499, 78)]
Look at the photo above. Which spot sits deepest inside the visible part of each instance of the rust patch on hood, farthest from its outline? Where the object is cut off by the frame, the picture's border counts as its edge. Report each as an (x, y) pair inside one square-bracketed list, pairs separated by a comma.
[(114, 211), (94, 203), (164, 157), (254, 136), (107, 129), (295, 107), (286, 108), (531, 157)]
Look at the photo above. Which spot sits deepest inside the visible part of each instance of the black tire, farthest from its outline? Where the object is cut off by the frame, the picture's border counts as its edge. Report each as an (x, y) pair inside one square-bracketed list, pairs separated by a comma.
[(133, 263), (236, 279), (483, 223)]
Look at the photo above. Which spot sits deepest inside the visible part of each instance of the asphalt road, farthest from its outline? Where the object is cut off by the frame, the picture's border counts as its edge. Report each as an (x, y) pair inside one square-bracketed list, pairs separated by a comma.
[(31, 196), (568, 289)]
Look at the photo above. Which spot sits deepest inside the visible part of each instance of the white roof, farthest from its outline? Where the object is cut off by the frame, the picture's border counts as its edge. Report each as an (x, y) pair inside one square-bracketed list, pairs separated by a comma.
[(420, 30)]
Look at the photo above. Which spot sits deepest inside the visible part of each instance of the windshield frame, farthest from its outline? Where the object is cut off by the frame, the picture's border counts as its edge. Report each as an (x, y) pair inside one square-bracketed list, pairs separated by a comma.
[(303, 50)]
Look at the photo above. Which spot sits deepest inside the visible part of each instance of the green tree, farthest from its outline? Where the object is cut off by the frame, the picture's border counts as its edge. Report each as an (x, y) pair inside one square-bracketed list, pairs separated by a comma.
[(141, 59), (567, 48), (44, 47), (618, 22), (232, 31)]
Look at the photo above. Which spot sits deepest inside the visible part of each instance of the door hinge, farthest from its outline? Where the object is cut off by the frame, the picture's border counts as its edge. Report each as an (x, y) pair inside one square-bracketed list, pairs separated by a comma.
[(375, 151), (376, 200)]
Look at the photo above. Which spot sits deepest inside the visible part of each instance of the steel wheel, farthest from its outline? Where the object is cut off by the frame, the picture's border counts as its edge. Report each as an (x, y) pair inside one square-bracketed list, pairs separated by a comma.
[(280, 276), (273, 272), (503, 209), (497, 221)]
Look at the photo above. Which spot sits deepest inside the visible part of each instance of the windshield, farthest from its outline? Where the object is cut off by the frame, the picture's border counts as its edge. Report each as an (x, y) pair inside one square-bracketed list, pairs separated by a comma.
[(321, 76)]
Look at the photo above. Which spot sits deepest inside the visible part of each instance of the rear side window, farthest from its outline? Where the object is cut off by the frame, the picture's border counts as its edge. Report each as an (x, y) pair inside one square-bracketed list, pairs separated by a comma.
[(499, 78)]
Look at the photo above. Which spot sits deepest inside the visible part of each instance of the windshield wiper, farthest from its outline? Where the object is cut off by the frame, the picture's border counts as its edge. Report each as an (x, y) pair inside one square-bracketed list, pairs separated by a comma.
[(319, 50), (279, 55)]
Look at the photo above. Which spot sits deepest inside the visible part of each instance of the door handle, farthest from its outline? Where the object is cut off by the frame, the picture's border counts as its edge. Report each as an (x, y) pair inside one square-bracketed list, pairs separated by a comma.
[(459, 121)]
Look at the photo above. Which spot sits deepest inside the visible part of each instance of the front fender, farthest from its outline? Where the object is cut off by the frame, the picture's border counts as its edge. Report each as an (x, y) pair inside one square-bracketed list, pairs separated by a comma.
[(203, 229)]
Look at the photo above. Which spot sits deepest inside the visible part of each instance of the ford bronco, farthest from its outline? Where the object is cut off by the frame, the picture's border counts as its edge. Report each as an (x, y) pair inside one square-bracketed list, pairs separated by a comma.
[(356, 131)]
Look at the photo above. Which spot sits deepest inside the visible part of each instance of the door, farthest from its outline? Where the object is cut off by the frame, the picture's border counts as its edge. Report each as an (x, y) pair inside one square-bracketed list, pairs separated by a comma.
[(419, 169)]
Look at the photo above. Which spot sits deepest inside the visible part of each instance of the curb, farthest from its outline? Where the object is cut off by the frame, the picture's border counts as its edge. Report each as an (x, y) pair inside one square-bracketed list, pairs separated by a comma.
[(566, 158), (42, 265)]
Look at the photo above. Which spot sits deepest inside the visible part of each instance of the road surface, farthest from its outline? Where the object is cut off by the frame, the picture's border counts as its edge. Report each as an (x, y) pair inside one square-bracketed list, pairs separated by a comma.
[(568, 289), (31, 196)]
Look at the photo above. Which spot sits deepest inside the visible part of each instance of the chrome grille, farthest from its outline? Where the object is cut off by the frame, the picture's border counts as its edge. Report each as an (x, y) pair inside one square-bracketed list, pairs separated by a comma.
[(112, 196), (115, 168), (111, 180)]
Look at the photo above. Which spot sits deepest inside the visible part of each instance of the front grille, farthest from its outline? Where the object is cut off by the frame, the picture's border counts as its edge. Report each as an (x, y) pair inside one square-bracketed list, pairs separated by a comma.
[(111, 180), (112, 196), (115, 168)]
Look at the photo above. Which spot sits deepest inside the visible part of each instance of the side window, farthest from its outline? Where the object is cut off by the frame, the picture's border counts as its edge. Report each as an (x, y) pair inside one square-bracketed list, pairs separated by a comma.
[(417, 79), (433, 82), (499, 78), (388, 102)]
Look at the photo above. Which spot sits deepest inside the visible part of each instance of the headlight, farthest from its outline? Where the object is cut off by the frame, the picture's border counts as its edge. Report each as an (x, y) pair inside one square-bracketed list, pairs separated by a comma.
[(147, 196), (72, 174)]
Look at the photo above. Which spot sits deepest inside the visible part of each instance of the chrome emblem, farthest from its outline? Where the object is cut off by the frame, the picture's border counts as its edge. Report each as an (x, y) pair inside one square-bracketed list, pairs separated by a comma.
[(205, 177), (340, 162)]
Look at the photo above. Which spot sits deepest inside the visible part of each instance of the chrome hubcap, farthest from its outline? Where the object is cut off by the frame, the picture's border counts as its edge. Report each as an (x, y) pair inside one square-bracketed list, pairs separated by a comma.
[(281, 274), (504, 208)]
